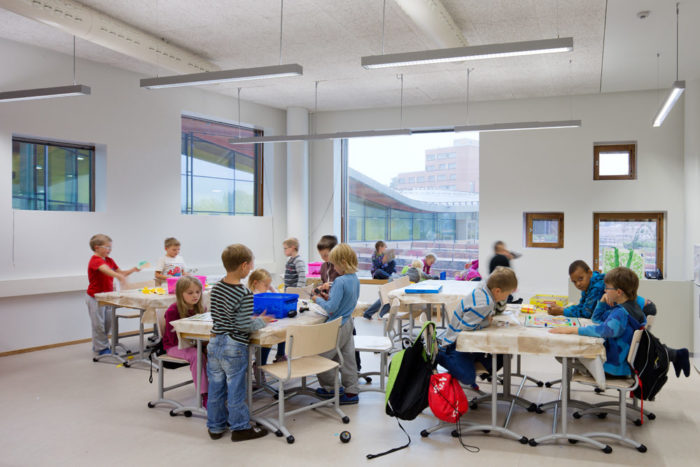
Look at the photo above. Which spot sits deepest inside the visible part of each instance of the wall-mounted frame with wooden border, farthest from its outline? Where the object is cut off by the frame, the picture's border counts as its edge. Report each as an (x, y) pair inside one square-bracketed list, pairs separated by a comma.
[(639, 231), (544, 229), (615, 161)]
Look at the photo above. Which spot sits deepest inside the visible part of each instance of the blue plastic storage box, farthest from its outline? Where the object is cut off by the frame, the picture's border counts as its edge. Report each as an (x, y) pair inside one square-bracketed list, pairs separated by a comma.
[(275, 304)]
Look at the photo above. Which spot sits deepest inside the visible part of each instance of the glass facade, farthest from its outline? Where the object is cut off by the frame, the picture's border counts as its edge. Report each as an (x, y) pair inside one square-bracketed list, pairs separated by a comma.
[(217, 177), (49, 176)]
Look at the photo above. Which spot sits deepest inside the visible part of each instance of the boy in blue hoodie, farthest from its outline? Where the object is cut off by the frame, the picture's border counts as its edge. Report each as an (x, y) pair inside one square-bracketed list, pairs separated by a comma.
[(592, 287)]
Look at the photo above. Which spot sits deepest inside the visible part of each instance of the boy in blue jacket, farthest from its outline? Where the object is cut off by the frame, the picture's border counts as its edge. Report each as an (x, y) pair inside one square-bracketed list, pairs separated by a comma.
[(592, 287)]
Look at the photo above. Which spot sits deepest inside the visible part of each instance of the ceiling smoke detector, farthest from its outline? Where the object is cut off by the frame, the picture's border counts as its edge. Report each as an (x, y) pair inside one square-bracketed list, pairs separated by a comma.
[(643, 14)]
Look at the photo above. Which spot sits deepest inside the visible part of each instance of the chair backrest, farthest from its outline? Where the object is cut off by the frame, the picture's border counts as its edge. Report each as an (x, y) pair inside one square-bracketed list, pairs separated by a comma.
[(303, 292), (634, 345), (384, 290), (650, 321), (304, 341)]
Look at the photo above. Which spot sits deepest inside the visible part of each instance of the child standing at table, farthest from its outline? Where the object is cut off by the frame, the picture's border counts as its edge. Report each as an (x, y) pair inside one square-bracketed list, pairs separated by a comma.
[(295, 269), (383, 264), (171, 264), (260, 281), (227, 365), (188, 295), (340, 305), (474, 312), (102, 270)]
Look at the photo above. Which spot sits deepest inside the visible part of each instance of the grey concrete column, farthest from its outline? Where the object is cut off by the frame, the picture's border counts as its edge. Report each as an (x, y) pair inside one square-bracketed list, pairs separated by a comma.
[(298, 180)]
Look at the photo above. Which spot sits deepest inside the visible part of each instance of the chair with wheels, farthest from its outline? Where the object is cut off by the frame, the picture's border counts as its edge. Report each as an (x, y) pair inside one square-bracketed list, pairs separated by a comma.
[(304, 344)]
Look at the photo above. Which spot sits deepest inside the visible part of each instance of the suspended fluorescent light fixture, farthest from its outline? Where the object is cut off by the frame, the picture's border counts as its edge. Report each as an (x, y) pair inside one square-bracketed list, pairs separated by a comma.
[(47, 93), (319, 136), (515, 126), (675, 94), (224, 76), (676, 91), (477, 52)]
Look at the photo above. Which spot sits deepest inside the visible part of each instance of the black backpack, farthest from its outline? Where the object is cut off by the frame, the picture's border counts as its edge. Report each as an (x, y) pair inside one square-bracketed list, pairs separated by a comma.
[(651, 365)]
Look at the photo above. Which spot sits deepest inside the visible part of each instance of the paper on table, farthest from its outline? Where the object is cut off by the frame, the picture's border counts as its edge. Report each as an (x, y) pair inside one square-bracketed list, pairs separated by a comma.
[(316, 308)]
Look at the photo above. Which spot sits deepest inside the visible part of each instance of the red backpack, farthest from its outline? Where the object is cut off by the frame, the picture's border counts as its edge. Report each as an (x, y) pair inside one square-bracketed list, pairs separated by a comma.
[(446, 398)]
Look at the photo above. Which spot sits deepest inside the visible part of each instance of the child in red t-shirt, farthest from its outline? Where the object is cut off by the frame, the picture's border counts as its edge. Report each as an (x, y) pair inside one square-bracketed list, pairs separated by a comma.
[(102, 270)]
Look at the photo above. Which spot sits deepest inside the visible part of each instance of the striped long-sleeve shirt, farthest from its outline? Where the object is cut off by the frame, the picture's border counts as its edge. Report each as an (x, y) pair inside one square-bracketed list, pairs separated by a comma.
[(295, 272), (470, 314), (232, 311)]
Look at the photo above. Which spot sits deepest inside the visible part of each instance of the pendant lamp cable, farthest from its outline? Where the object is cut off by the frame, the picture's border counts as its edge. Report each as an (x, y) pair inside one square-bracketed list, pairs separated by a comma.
[(383, 22), (281, 28), (74, 81), (400, 77)]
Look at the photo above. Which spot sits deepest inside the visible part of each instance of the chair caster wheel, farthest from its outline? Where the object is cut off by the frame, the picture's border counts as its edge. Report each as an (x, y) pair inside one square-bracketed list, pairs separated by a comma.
[(598, 391), (473, 406), (573, 441), (187, 413), (651, 416), (151, 405), (454, 434), (548, 384), (424, 433), (368, 379), (532, 442), (405, 343), (607, 449), (532, 407), (539, 410), (642, 448), (540, 384), (486, 431), (279, 433), (602, 415), (127, 364), (524, 440), (95, 360), (173, 414), (346, 419), (290, 439), (577, 415), (637, 422)]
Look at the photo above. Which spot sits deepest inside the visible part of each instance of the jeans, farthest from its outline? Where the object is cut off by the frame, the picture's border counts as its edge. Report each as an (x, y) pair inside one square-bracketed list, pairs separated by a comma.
[(227, 368), (461, 364), (265, 352), (374, 307)]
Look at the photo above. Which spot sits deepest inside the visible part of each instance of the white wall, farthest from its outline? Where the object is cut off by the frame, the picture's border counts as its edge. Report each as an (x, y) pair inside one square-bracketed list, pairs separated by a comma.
[(140, 130)]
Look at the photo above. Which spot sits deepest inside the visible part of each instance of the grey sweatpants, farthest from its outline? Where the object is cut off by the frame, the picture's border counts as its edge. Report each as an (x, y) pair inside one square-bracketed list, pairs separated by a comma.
[(101, 320), (348, 370)]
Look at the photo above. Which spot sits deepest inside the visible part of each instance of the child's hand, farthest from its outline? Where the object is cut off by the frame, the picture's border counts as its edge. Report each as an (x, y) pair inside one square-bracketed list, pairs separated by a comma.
[(555, 310), (267, 319), (325, 286), (564, 330), (607, 301)]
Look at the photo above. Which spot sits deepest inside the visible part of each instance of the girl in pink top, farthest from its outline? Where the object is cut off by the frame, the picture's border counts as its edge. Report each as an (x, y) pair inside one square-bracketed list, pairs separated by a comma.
[(188, 292)]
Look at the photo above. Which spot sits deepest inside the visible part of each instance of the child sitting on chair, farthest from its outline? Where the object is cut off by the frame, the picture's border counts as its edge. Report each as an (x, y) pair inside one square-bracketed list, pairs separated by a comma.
[(340, 305), (470, 273), (383, 264), (473, 313), (188, 294), (592, 287)]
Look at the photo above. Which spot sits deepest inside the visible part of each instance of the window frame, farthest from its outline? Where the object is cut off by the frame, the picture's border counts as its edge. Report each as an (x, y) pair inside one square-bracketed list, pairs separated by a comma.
[(530, 217), (629, 148), (64, 145), (630, 216)]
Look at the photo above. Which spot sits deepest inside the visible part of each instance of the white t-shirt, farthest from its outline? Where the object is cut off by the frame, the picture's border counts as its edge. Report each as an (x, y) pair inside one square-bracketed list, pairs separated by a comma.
[(171, 267)]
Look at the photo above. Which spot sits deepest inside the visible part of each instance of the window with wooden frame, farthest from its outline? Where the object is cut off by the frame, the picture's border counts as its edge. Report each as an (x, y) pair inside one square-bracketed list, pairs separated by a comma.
[(615, 161), (631, 239), (544, 229)]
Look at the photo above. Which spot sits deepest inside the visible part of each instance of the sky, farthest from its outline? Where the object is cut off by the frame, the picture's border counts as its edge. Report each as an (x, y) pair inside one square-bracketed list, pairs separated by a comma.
[(383, 157)]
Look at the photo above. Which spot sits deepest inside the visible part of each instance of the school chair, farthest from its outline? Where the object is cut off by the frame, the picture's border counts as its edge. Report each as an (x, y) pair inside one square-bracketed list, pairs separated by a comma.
[(166, 361), (623, 387), (381, 345), (304, 344), (396, 326)]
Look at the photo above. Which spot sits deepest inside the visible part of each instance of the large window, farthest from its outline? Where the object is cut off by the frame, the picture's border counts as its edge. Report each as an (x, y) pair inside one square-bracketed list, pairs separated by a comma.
[(219, 177), (48, 176), (634, 239), (414, 219)]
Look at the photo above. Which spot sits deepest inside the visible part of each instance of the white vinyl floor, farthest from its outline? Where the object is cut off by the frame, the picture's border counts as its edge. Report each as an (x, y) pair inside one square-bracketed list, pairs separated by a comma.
[(59, 408)]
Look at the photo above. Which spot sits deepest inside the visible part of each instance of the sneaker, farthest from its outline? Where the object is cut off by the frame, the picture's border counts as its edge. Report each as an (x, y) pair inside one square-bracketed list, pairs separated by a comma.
[(215, 435), (106, 351), (323, 394), (250, 433), (349, 399)]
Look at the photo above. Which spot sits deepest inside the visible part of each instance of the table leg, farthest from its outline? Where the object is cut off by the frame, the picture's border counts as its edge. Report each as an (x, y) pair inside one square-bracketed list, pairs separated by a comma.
[(249, 388), (573, 438)]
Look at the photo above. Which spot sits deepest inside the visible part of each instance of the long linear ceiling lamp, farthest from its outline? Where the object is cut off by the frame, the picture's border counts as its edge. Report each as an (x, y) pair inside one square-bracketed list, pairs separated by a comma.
[(47, 93), (319, 136), (520, 126), (676, 91), (226, 76), (477, 52)]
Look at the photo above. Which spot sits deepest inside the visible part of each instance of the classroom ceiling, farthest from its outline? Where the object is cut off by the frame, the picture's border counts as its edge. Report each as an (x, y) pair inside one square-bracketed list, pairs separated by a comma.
[(614, 50)]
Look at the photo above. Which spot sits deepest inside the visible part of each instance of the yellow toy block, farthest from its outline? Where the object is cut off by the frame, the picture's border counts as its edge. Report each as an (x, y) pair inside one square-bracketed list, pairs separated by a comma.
[(541, 302)]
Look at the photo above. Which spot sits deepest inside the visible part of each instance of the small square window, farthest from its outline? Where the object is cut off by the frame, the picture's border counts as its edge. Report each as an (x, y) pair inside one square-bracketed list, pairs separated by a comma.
[(544, 230), (614, 161)]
